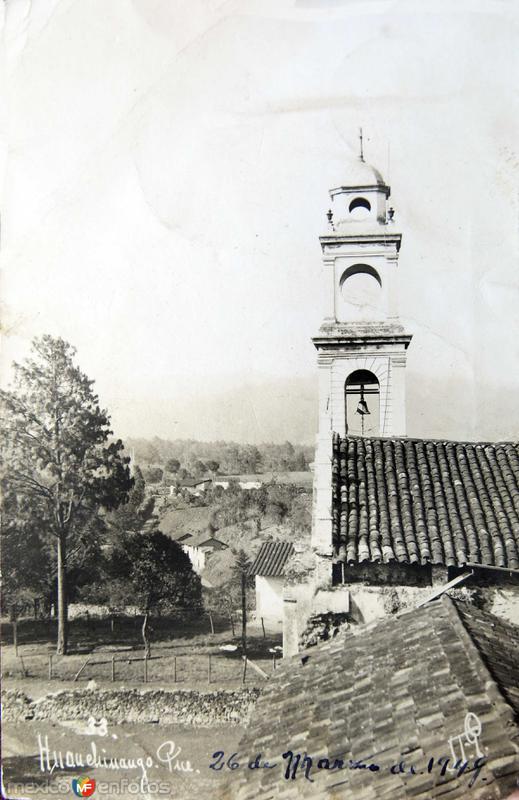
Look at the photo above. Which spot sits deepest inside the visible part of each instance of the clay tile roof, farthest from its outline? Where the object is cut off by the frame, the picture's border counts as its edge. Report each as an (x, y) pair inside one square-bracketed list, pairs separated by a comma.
[(421, 501), (498, 645), (203, 538), (397, 690), (193, 482), (271, 559)]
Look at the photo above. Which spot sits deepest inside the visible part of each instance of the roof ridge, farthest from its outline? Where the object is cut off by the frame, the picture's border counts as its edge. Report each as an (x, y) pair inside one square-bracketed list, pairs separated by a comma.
[(476, 442), (479, 659)]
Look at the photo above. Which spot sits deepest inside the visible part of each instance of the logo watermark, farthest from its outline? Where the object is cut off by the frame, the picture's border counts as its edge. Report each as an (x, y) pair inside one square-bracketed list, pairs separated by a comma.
[(64, 788), (83, 787)]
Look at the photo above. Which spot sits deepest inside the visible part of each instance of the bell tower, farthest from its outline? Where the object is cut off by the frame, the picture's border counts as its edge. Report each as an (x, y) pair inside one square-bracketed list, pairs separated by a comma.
[(361, 345)]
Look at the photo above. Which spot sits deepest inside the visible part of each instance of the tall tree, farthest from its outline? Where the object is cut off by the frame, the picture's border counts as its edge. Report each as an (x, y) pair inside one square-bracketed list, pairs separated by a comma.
[(154, 474), (57, 453), (137, 495), (140, 566), (151, 571), (241, 571), (199, 468), (172, 465)]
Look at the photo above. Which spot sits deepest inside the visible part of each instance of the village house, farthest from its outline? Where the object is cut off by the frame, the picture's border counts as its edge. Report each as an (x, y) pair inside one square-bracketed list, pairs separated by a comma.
[(199, 547), (268, 569), (246, 483), (193, 486), (395, 520)]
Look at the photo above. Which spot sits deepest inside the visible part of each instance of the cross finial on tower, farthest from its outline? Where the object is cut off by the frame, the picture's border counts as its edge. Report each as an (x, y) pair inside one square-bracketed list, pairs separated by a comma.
[(361, 145)]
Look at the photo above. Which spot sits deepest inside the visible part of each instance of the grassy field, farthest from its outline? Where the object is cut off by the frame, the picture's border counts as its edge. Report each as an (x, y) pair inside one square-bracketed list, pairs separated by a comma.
[(184, 652)]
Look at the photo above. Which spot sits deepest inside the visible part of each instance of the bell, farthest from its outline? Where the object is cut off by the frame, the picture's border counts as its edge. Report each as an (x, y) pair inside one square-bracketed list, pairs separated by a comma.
[(362, 407)]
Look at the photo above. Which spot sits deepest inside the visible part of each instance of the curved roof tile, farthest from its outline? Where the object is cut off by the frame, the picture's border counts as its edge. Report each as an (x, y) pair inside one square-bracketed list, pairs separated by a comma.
[(423, 501)]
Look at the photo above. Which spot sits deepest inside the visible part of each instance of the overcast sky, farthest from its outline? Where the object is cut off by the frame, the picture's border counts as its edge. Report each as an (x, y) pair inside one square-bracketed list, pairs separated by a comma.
[(167, 167)]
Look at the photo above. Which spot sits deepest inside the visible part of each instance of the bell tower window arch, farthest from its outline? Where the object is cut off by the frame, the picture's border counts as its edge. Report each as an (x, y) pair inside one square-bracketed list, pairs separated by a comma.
[(362, 404), (360, 269), (359, 208)]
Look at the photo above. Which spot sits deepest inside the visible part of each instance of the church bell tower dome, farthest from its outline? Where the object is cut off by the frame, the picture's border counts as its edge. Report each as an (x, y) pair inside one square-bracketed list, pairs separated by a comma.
[(359, 174), (361, 198)]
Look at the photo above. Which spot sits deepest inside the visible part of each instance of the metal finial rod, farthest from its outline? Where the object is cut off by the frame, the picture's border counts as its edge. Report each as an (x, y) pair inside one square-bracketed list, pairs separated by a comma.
[(361, 145)]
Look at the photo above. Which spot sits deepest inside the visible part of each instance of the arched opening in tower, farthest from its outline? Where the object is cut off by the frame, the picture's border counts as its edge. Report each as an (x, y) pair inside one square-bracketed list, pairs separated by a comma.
[(362, 399), (361, 296)]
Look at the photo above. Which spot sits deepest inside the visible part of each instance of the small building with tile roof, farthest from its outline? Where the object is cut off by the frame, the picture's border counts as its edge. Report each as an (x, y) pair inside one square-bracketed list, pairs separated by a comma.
[(193, 486), (268, 569), (200, 546), (424, 705)]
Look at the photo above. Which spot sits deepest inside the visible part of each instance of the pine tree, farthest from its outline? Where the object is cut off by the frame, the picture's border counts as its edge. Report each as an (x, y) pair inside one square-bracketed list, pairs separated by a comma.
[(57, 453)]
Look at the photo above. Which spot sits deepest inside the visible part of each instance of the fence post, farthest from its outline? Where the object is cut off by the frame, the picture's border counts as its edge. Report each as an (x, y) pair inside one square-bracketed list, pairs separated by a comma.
[(145, 668), (113, 669), (244, 669), (80, 670), (263, 627), (209, 669), (50, 666)]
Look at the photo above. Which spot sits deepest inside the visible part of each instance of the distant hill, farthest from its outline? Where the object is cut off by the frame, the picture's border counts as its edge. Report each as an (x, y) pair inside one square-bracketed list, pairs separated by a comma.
[(270, 411)]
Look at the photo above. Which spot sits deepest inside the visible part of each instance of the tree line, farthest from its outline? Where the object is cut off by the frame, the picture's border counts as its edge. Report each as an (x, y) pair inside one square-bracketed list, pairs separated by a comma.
[(195, 458)]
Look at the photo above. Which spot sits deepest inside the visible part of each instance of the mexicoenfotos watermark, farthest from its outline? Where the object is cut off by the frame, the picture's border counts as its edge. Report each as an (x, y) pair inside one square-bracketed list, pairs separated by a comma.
[(65, 787)]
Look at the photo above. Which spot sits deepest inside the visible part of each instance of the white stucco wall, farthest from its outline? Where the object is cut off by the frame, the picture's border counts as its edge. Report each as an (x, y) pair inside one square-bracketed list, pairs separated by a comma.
[(269, 598), (196, 556), (506, 605), (368, 603)]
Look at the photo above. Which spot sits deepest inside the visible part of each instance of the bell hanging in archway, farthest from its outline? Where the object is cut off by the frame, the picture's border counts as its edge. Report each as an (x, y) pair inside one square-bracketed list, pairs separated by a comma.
[(362, 407)]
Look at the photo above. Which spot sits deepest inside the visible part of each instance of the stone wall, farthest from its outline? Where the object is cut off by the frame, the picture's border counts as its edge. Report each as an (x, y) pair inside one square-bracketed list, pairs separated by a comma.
[(186, 707)]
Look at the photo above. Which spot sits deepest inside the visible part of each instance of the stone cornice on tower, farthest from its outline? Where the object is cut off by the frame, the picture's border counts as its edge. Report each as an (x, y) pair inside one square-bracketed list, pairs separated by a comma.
[(371, 187), (330, 240), (354, 335)]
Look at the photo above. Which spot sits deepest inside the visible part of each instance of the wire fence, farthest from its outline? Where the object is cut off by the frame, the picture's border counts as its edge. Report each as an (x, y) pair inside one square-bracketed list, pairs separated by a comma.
[(211, 668)]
